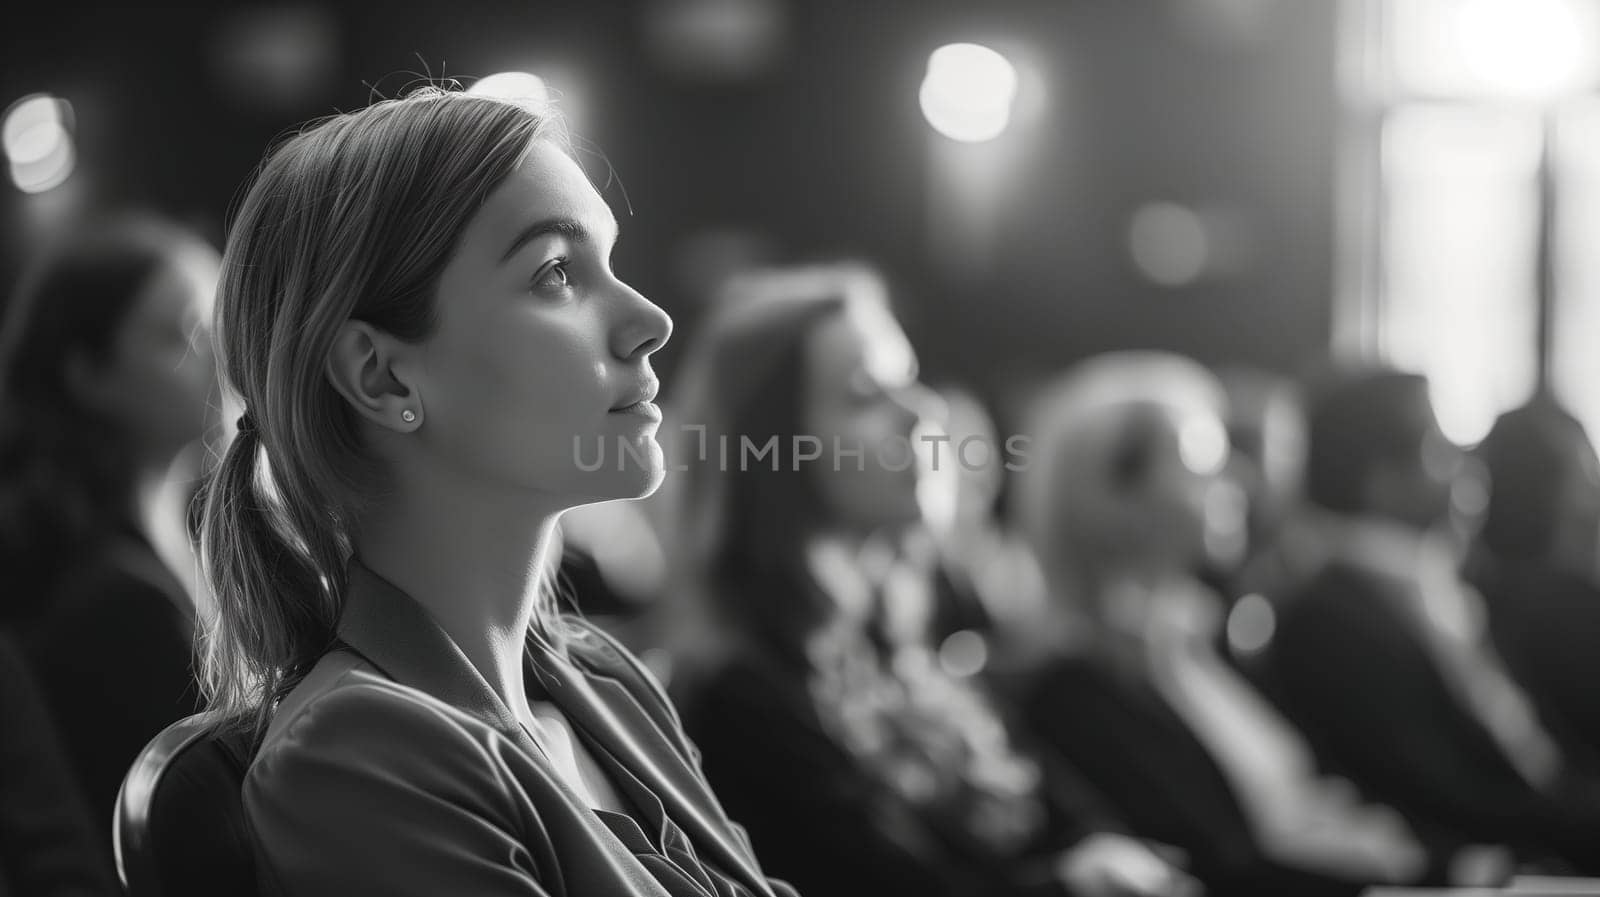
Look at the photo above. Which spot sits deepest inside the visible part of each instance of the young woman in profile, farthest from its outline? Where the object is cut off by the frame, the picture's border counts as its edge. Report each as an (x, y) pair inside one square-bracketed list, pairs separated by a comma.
[(419, 313)]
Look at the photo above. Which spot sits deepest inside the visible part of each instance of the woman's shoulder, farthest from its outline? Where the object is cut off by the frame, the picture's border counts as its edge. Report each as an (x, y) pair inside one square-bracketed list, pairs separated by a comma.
[(366, 785), (347, 711)]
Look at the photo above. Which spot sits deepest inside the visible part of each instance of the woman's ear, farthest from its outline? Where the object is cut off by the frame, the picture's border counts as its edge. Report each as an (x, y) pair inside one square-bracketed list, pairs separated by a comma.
[(364, 367)]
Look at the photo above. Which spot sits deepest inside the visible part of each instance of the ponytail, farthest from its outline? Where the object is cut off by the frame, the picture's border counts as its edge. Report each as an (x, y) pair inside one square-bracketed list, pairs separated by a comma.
[(274, 611)]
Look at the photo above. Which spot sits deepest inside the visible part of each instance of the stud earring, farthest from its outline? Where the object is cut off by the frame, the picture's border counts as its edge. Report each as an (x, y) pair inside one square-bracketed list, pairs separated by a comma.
[(408, 415)]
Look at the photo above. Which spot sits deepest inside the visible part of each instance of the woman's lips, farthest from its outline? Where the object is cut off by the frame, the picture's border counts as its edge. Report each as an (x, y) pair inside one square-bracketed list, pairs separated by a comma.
[(646, 409)]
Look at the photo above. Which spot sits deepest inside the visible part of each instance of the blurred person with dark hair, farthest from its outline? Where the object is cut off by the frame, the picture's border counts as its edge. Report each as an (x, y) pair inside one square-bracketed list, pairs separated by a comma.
[(1125, 500), (1535, 561), (48, 845), (860, 766), (1382, 652), (105, 378)]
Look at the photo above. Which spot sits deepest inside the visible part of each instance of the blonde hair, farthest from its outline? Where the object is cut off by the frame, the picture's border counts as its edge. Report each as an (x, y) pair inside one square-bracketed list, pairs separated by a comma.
[(1076, 424), (353, 217)]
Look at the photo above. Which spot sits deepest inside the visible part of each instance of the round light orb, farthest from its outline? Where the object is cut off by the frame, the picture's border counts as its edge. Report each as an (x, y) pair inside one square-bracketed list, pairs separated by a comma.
[(968, 92)]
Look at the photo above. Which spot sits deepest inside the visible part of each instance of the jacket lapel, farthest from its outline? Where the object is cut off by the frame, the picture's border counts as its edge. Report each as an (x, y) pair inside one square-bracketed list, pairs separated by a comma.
[(398, 636), (610, 717)]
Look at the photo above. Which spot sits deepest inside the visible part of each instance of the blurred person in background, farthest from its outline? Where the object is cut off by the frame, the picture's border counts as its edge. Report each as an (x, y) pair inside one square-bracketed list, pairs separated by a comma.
[(986, 584), (49, 847), (1267, 451), (1125, 500), (1266, 459), (1535, 562), (105, 379), (1382, 653), (825, 719), (419, 314)]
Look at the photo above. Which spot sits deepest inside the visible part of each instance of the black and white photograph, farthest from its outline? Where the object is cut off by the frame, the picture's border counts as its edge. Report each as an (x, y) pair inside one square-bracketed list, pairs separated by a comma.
[(800, 448)]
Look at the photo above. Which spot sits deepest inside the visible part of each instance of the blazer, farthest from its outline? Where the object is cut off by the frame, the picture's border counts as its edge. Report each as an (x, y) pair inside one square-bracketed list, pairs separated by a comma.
[(117, 635), (1357, 678), (48, 845), (825, 822), (1160, 777), (393, 769), (1545, 622)]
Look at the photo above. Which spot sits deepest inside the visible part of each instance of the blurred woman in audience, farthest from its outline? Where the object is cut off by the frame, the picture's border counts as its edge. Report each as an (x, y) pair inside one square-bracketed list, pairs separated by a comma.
[(860, 766), (1124, 500), (1535, 562), (105, 376), (420, 316)]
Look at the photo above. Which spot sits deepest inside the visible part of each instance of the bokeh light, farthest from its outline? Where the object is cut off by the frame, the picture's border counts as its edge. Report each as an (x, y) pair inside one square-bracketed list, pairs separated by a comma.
[(1251, 625), (968, 92), (37, 139), (1169, 244), (521, 87)]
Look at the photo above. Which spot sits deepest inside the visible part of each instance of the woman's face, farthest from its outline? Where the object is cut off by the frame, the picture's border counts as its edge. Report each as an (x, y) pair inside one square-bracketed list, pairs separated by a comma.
[(538, 374), (160, 376), (861, 392)]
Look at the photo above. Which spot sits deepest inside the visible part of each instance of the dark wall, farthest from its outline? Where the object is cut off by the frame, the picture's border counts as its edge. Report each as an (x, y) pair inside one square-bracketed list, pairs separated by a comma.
[(825, 153)]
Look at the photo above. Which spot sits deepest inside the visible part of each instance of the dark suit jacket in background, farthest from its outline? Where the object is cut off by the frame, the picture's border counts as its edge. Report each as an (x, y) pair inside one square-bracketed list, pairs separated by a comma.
[(821, 821), (1355, 676), (48, 845), (1159, 777), (113, 652), (1546, 624), (393, 769)]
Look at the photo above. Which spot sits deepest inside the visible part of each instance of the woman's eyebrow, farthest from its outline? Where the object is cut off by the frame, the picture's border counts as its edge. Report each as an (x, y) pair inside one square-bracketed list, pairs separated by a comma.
[(565, 227)]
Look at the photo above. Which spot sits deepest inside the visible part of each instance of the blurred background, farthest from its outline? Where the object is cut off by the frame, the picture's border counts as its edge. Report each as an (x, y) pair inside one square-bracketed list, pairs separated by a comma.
[(1199, 175), (1247, 180)]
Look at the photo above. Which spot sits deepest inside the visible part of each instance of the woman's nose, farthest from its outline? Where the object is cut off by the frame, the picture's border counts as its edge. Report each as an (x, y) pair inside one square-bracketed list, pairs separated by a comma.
[(642, 329)]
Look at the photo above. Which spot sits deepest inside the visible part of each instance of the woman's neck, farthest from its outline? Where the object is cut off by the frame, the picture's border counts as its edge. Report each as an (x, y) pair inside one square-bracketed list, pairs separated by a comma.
[(473, 558)]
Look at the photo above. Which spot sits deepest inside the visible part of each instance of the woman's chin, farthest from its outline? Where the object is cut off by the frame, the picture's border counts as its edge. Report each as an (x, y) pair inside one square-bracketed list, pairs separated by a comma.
[(636, 474), (646, 482)]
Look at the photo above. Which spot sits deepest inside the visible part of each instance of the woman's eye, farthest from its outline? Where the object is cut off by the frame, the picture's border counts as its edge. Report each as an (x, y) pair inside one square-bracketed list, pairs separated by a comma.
[(553, 276)]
